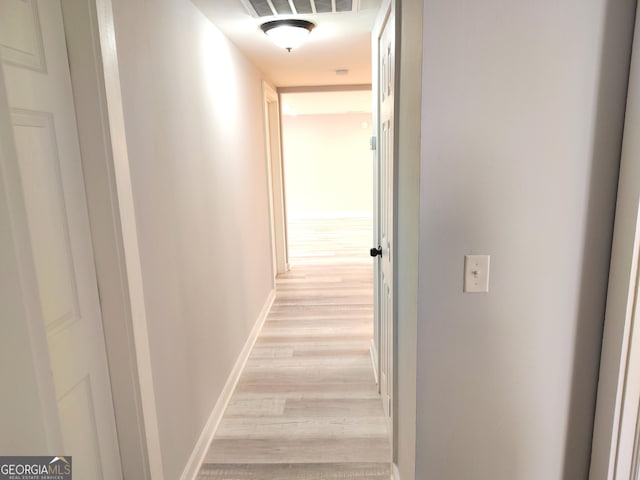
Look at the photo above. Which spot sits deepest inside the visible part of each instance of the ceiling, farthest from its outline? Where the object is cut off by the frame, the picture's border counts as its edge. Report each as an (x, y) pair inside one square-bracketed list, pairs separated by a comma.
[(340, 41)]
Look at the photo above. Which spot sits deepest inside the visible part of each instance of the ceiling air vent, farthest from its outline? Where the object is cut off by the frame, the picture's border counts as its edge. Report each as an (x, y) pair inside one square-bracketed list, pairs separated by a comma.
[(271, 8)]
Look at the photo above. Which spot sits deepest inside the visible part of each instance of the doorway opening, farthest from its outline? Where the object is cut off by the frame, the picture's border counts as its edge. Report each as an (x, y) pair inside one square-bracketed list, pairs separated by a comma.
[(328, 173), (328, 176)]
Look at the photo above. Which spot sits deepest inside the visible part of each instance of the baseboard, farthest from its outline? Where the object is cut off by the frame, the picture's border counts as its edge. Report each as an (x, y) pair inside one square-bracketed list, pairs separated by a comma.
[(374, 360), (395, 474), (200, 450)]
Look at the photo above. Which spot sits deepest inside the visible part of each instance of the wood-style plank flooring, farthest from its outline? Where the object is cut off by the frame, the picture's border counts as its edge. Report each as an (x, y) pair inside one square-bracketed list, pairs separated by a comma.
[(306, 405)]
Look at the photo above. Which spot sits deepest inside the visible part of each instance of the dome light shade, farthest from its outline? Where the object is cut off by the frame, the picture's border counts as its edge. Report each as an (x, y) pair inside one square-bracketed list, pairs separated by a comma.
[(287, 34)]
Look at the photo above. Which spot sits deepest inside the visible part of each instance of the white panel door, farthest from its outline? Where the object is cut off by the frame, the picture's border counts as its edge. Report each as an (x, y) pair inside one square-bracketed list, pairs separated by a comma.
[(38, 89), (385, 210)]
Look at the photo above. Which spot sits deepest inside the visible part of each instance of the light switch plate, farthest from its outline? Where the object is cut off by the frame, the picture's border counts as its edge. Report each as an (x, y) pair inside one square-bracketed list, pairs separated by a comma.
[(476, 273)]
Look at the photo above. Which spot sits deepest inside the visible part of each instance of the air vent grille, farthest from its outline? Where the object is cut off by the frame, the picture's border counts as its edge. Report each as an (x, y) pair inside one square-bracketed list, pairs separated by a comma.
[(269, 8), (281, 6), (302, 6), (323, 6)]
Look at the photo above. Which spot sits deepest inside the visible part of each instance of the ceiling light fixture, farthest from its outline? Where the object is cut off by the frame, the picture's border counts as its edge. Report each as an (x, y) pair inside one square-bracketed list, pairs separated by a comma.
[(289, 33)]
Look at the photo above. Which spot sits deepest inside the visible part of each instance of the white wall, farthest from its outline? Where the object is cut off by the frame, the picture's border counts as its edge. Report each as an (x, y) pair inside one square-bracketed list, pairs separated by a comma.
[(328, 166), (522, 111), (193, 115)]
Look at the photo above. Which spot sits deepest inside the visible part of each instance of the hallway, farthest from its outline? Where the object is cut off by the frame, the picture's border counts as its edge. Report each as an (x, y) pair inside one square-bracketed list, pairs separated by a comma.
[(306, 405)]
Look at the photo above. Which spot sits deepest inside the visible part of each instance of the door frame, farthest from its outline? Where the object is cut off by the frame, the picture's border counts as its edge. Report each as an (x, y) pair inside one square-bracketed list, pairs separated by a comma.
[(616, 442), (275, 169), (95, 78), (275, 180)]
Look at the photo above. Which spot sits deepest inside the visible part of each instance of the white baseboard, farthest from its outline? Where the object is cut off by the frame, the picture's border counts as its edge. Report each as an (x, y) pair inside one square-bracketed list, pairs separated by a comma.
[(374, 360), (395, 474), (202, 445)]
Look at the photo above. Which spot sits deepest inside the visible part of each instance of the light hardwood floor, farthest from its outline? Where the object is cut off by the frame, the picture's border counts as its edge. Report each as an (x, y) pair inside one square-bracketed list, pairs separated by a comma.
[(306, 405)]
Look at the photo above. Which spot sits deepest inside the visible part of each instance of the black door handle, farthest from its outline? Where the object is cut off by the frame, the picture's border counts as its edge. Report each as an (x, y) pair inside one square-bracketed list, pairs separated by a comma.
[(375, 252)]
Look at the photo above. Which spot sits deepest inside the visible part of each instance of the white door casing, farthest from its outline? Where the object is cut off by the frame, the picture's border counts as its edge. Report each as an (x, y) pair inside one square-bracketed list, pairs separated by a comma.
[(384, 211), (616, 435), (628, 442), (38, 88), (275, 179)]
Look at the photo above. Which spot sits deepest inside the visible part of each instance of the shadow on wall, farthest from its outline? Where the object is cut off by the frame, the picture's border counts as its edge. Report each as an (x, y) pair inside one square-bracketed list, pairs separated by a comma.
[(606, 150)]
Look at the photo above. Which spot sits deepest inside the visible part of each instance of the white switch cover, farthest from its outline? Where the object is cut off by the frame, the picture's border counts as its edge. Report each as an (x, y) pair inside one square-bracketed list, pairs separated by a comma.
[(476, 273)]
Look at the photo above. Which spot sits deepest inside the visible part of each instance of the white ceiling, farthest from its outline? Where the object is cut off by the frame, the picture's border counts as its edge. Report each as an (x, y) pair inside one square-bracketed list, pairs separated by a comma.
[(322, 103), (339, 41)]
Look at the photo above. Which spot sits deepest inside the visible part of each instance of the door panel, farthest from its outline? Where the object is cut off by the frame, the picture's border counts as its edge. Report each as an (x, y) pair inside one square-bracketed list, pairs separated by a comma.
[(38, 88), (77, 414), (385, 212), (46, 216), (20, 36)]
